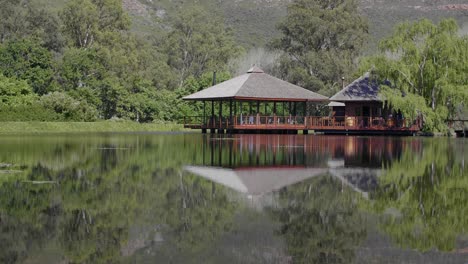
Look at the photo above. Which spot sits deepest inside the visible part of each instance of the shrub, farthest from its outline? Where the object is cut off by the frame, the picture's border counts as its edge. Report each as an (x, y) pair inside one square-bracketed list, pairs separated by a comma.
[(68, 107)]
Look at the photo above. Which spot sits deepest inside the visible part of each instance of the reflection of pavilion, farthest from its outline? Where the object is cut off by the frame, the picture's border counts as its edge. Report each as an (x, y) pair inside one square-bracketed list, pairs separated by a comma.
[(256, 181), (260, 164)]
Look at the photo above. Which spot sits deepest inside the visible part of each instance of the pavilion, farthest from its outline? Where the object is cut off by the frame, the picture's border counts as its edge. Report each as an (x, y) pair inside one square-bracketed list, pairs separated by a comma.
[(254, 102)]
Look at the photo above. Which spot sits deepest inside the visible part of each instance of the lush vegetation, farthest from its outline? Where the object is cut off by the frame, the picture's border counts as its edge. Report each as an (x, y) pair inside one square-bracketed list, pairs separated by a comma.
[(320, 41), (81, 61), (425, 66), (421, 194)]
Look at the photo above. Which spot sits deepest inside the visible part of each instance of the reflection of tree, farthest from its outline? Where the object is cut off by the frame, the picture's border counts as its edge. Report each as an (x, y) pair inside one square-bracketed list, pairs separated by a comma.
[(197, 212), (427, 193), (320, 221), (114, 185), (26, 217)]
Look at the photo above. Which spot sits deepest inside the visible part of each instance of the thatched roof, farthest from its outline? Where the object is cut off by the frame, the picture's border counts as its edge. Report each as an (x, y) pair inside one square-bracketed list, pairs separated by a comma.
[(362, 89), (256, 85)]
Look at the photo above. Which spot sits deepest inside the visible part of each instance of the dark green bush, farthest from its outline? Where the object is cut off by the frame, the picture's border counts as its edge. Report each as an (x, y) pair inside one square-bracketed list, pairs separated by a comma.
[(28, 113)]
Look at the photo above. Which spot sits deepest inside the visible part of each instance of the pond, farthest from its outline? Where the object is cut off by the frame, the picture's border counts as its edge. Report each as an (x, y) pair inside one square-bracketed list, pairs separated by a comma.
[(193, 198)]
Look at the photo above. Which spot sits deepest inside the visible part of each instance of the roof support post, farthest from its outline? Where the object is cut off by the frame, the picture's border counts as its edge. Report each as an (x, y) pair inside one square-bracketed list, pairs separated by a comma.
[(220, 113), (230, 112), (305, 108), (235, 108), (258, 107), (204, 112), (212, 113)]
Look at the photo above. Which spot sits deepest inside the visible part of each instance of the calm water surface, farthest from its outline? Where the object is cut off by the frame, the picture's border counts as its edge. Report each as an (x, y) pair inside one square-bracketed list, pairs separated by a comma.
[(190, 198)]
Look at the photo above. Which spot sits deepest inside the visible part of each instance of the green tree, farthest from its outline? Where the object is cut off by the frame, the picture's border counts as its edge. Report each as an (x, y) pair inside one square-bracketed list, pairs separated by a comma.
[(12, 19), (23, 19), (198, 42), (15, 92), (320, 41), (27, 60), (86, 22), (426, 65)]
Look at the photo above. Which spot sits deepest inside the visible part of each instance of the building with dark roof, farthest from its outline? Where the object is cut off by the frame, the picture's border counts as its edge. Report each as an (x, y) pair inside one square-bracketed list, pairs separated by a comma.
[(256, 102), (360, 105)]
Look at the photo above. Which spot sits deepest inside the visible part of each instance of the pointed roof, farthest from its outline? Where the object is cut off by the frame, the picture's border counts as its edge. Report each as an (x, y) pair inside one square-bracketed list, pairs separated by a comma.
[(255, 181), (256, 85), (362, 89)]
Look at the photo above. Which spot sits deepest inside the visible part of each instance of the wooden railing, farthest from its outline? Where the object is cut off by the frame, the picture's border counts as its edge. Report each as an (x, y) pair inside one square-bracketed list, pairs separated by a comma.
[(297, 122), (269, 121)]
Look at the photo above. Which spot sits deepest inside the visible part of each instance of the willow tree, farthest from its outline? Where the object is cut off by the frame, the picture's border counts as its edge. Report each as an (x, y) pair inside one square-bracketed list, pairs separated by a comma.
[(320, 41), (427, 66)]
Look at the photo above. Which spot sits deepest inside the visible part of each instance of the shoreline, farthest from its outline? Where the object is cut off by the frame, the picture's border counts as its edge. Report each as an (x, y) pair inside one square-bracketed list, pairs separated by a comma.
[(27, 128)]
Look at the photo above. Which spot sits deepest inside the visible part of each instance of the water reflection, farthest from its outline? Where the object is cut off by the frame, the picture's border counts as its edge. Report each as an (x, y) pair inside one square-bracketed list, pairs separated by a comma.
[(246, 199), (259, 164)]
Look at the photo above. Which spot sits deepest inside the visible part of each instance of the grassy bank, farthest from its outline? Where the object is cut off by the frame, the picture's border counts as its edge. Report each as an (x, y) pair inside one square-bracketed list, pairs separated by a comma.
[(81, 127)]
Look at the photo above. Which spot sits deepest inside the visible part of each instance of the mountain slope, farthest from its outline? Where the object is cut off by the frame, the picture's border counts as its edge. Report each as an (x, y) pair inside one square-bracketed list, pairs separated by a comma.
[(254, 21)]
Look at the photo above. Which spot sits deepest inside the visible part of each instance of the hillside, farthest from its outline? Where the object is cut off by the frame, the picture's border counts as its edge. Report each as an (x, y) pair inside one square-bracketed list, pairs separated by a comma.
[(254, 21)]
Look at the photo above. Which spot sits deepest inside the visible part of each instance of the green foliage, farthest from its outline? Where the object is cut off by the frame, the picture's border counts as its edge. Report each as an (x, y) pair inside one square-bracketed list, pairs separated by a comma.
[(27, 60), (320, 41), (427, 64), (426, 190), (68, 107), (80, 68), (88, 21), (198, 42), (193, 85), (320, 222), (23, 112), (15, 92), (21, 18)]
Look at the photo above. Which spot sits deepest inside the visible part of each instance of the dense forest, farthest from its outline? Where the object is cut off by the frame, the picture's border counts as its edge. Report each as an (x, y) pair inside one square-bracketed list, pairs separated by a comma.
[(83, 62)]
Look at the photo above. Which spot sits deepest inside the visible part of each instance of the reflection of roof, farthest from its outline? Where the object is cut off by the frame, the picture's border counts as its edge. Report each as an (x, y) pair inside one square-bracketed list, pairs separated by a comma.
[(256, 181), (262, 180), (256, 84), (362, 180), (362, 89)]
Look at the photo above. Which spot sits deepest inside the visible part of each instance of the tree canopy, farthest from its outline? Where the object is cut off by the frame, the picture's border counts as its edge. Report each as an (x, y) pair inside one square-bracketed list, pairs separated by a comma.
[(426, 65), (320, 41)]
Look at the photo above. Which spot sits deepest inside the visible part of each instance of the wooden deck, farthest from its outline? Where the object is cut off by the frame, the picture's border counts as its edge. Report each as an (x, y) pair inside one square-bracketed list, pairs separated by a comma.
[(292, 124)]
